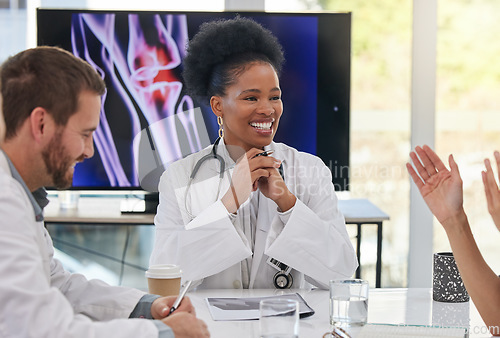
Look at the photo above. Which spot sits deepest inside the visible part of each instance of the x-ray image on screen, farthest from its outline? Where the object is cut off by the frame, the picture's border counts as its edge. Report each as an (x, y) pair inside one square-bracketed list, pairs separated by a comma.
[(139, 57)]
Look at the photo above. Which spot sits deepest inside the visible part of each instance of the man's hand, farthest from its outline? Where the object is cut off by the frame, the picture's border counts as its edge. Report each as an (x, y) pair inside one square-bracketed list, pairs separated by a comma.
[(161, 306), (186, 325)]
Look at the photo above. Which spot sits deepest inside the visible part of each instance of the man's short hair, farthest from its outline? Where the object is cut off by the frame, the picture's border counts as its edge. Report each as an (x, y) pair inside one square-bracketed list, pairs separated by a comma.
[(47, 77)]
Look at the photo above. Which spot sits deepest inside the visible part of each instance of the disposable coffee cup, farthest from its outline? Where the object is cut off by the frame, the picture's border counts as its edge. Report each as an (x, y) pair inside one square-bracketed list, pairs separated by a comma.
[(164, 280)]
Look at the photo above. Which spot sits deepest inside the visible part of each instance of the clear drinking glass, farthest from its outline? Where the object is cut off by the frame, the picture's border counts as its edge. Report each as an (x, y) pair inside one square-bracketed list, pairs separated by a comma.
[(279, 318), (348, 302)]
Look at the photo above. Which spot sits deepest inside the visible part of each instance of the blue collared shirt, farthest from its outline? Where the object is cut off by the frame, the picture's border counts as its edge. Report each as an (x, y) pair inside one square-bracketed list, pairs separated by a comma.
[(38, 198)]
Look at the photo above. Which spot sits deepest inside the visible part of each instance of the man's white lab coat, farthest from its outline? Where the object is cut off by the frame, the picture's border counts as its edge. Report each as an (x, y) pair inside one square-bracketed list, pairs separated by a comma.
[(38, 297)]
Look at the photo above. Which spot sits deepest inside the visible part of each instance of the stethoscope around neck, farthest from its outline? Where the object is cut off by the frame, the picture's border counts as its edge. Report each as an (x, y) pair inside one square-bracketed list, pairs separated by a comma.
[(212, 155), (283, 278)]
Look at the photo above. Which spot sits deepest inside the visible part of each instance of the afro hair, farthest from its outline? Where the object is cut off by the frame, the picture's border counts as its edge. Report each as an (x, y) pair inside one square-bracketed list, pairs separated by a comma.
[(221, 49)]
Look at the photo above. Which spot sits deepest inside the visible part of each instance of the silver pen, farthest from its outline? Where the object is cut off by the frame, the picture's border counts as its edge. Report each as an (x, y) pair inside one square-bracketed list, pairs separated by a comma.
[(264, 153), (182, 293)]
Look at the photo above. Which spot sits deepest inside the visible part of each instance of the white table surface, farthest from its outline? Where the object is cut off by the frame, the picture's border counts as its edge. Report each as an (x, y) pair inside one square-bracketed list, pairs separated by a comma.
[(393, 306), (361, 210)]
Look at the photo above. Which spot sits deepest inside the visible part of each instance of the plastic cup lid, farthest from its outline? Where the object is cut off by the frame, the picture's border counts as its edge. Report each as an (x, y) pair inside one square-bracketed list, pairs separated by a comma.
[(164, 271)]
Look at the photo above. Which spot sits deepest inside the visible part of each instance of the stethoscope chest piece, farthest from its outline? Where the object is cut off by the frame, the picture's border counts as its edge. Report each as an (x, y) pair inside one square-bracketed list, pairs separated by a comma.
[(283, 280)]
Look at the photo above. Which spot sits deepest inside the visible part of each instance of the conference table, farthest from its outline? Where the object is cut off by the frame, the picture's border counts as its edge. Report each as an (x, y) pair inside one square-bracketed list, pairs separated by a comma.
[(399, 306)]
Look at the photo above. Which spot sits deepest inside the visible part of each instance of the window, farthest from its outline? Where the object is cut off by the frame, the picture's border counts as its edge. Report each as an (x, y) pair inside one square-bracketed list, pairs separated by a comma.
[(380, 124), (467, 116), (13, 4)]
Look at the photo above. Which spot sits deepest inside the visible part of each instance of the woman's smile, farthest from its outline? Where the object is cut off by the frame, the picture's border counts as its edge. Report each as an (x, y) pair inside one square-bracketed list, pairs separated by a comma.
[(264, 127)]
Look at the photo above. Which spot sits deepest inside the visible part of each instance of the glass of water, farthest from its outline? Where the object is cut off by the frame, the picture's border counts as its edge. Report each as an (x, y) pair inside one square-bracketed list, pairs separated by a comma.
[(348, 302), (279, 318)]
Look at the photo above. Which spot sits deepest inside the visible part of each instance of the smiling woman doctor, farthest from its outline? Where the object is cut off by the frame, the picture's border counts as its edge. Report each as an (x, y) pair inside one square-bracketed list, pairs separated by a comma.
[(228, 216)]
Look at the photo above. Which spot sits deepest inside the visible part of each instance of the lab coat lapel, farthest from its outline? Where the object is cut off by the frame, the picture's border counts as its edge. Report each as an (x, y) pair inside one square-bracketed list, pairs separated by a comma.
[(264, 219), (266, 212), (202, 194)]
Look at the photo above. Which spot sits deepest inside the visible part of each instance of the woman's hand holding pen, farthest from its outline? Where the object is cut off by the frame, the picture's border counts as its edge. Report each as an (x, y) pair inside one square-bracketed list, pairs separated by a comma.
[(274, 188), (252, 172)]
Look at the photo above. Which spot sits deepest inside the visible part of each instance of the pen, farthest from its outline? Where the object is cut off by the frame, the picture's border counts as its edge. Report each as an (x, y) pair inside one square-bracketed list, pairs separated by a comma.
[(182, 293), (264, 153)]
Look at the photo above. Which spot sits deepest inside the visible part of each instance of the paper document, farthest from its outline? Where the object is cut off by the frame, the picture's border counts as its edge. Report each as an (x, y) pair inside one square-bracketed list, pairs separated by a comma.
[(409, 331), (225, 308)]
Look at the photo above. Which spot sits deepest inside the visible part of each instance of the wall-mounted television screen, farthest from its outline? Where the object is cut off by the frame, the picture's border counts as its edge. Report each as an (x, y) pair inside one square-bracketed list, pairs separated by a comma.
[(148, 120)]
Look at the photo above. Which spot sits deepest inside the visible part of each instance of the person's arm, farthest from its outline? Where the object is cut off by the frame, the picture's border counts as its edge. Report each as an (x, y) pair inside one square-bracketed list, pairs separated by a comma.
[(92, 298), (102, 302), (442, 191), (482, 284), (205, 245)]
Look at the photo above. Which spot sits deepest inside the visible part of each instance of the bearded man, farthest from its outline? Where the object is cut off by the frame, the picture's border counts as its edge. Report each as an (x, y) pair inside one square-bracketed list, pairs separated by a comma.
[(51, 105)]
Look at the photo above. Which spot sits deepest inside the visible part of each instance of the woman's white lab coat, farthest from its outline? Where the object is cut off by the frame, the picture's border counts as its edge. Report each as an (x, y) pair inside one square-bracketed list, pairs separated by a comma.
[(38, 297), (196, 231)]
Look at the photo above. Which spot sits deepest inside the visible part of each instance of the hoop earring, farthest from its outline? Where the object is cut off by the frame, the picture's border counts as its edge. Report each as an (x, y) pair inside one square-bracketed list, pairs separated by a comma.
[(220, 123)]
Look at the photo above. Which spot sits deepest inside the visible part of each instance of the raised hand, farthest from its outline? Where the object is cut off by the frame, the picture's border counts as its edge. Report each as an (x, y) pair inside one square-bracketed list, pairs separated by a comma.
[(441, 188), (442, 191), (491, 189)]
